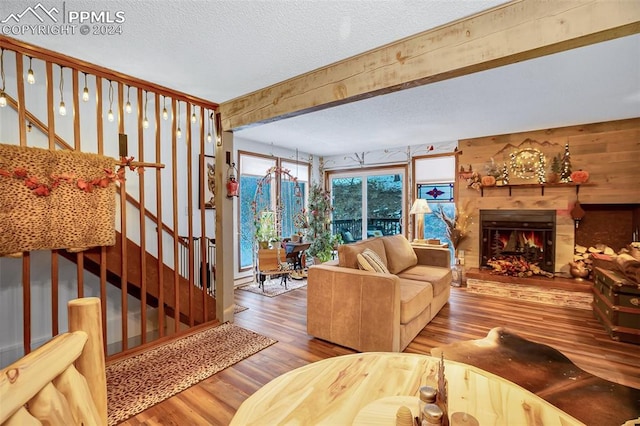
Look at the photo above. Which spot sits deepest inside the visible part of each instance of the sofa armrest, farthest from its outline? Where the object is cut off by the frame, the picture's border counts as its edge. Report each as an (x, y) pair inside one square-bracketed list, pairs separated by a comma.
[(354, 308), (433, 256)]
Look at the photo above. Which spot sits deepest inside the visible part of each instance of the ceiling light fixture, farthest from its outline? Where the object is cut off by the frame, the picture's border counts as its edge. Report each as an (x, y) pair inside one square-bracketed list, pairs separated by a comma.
[(3, 97), (209, 118), (165, 113), (31, 78), (110, 116), (127, 107), (85, 91), (145, 123), (178, 131), (62, 109)]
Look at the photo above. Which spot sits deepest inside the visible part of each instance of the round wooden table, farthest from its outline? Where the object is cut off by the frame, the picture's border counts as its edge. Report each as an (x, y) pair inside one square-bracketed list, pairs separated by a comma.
[(341, 390)]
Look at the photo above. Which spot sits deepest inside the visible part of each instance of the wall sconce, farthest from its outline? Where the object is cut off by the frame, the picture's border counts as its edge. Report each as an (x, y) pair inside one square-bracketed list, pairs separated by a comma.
[(232, 183), (419, 208)]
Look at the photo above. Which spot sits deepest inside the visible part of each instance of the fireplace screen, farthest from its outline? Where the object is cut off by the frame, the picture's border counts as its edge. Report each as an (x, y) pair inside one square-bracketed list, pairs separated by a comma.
[(526, 233)]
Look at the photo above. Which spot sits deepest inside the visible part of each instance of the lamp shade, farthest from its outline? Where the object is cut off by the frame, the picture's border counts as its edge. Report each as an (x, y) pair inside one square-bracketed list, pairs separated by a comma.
[(420, 206)]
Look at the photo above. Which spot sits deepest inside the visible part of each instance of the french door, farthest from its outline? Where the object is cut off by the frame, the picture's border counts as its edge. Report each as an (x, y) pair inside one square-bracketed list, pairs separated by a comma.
[(368, 203)]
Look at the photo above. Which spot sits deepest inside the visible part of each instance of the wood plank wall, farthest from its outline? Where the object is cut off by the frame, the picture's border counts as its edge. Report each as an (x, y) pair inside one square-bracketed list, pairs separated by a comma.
[(609, 151)]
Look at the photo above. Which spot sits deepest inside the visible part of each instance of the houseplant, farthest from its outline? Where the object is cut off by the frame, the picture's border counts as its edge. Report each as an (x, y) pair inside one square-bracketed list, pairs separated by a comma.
[(319, 231)]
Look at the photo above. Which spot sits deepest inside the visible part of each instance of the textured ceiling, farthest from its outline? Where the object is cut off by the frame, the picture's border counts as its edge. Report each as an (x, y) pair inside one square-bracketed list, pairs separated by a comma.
[(219, 50)]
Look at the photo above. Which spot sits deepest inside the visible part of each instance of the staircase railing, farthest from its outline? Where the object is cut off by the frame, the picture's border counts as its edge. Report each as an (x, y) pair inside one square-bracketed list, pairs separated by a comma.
[(159, 303)]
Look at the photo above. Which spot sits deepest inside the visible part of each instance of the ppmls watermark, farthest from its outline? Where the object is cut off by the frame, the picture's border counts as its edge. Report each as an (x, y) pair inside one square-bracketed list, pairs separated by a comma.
[(40, 20)]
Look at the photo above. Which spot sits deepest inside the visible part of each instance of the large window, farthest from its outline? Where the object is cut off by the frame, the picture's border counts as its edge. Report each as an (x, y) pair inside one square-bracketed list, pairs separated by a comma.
[(435, 178), (269, 184), (367, 204)]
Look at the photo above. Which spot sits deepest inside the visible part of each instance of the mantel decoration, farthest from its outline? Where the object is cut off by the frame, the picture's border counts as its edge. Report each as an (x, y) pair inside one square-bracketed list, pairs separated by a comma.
[(57, 199)]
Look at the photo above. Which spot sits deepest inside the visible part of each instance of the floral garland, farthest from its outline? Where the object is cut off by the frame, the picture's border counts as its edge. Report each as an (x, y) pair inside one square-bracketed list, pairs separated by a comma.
[(43, 189)]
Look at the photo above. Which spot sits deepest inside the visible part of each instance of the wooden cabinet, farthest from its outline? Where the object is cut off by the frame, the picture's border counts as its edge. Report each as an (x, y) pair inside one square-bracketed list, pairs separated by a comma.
[(616, 304)]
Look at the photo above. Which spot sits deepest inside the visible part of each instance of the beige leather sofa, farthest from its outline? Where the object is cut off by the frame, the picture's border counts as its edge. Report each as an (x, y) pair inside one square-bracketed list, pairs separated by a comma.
[(374, 311)]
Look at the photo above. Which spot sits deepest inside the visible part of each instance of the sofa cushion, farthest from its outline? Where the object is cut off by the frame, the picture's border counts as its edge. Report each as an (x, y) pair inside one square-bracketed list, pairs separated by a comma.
[(400, 254), (347, 253), (415, 297), (368, 260), (440, 278)]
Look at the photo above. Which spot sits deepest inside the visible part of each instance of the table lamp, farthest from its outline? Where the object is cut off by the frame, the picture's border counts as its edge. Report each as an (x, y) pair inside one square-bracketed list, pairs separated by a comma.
[(419, 208)]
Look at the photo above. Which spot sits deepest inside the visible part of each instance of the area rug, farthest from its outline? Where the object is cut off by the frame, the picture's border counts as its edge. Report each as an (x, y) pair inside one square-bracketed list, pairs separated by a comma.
[(239, 308), (274, 288), (137, 383), (549, 374)]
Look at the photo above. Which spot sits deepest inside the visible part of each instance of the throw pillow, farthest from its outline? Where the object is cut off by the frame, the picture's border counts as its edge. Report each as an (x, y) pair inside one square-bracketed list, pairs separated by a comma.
[(368, 260)]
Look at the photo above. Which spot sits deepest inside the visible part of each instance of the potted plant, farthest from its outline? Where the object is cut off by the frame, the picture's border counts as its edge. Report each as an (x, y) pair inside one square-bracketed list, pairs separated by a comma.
[(319, 231)]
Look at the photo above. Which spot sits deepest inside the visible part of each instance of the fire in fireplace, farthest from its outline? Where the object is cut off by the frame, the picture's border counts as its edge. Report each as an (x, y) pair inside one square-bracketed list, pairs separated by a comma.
[(529, 234)]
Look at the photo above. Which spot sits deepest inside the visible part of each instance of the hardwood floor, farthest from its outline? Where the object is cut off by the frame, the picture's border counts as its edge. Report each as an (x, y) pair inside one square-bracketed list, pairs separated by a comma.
[(576, 333)]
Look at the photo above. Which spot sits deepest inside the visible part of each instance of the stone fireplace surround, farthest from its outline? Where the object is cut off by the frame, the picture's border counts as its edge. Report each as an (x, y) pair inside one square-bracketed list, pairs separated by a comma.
[(527, 233)]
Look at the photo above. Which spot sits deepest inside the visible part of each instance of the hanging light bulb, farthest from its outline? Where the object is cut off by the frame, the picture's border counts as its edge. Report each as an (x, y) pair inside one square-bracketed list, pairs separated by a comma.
[(31, 78), (110, 115), (145, 123), (127, 107), (209, 138), (193, 116), (3, 96), (178, 131), (165, 113), (62, 109), (85, 91)]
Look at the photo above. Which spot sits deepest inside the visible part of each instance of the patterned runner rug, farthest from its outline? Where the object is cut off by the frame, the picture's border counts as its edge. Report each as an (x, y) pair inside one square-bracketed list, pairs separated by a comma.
[(135, 384), (274, 288)]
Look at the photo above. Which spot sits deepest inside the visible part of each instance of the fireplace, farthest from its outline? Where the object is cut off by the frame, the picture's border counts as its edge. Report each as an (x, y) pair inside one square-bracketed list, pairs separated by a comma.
[(526, 233)]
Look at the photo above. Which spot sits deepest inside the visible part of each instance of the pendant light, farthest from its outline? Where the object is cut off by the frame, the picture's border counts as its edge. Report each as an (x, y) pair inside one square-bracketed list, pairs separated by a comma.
[(85, 91), (209, 118), (178, 131), (193, 115), (110, 116), (3, 97), (165, 113), (127, 107), (62, 109), (145, 122), (31, 78)]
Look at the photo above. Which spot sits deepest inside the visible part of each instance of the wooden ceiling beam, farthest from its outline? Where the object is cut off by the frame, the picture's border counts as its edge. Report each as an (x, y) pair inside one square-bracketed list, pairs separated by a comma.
[(510, 33)]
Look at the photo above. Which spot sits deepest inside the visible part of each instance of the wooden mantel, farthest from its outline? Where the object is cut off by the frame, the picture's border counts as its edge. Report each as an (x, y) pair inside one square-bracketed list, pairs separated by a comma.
[(509, 33)]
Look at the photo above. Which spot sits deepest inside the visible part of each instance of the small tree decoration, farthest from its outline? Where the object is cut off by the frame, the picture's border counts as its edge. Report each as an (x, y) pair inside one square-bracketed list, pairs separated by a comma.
[(542, 167), (565, 172), (319, 233)]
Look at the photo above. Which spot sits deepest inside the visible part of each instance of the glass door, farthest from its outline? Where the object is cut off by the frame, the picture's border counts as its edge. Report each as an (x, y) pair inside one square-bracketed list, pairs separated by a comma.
[(367, 204)]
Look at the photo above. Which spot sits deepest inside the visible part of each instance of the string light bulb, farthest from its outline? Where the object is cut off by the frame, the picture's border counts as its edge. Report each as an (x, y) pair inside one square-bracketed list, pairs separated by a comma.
[(145, 123), (85, 91), (178, 131), (165, 113), (127, 107), (31, 78), (62, 109), (3, 97), (110, 115)]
